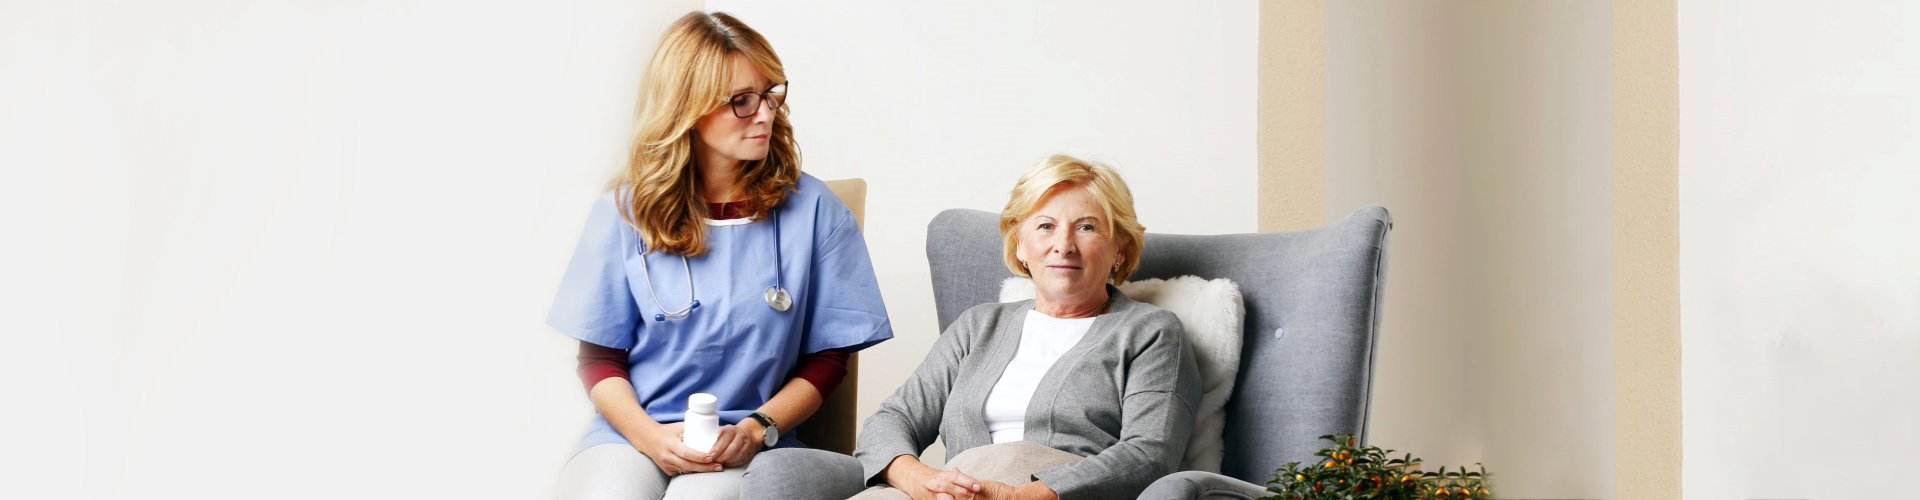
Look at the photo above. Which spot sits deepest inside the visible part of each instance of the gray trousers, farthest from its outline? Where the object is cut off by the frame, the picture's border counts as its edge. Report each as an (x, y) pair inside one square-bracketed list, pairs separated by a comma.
[(1195, 484), (821, 475), (619, 472)]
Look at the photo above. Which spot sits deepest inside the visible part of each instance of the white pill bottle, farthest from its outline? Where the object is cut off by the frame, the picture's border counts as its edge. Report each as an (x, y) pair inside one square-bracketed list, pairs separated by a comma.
[(702, 427)]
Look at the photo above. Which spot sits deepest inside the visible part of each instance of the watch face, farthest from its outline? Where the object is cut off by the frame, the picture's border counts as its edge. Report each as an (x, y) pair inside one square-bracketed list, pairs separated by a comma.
[(773, 436)]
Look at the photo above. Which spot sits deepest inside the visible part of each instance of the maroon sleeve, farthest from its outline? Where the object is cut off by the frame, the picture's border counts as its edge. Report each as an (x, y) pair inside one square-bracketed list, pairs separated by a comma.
[(823, 369), (598, 362)]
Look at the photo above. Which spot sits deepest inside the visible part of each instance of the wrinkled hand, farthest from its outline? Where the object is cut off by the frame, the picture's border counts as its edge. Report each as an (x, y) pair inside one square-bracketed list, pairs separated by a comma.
[(673, 456), (950, 484), (738, 443), (995, 490)]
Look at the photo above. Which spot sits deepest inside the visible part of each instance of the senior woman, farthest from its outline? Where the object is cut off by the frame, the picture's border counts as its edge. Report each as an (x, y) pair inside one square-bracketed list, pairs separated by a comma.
[(1078, 393)]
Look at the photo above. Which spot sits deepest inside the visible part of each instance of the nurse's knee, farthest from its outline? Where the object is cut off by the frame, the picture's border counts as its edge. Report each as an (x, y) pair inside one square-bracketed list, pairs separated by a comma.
[(801, 473), (609, 471)]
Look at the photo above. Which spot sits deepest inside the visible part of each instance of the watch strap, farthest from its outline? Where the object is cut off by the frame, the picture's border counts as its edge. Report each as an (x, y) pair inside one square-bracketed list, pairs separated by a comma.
[(765, 420)]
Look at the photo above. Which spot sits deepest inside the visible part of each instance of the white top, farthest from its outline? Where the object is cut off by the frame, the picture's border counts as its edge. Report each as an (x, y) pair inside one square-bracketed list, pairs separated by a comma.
[(1043, 339), (728, 222)]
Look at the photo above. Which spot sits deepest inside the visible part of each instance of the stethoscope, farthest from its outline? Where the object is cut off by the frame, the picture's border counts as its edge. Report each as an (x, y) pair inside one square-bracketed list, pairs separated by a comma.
[(777, 296)]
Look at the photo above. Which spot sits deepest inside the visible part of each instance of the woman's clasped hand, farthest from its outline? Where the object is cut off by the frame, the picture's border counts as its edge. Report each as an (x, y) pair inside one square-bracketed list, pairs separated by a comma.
[(665, 447)]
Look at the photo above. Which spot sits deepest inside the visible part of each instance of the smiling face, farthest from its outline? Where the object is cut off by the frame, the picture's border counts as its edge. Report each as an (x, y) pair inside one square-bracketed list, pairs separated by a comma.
[(1068, 247), (725, 138)]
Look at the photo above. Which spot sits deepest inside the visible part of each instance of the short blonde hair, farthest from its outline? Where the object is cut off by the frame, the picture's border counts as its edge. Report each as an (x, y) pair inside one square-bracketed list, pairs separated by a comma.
[(1060, 172)]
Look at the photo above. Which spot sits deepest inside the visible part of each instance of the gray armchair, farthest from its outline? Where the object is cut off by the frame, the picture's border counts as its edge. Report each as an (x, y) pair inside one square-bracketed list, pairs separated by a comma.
[(1312, 311)]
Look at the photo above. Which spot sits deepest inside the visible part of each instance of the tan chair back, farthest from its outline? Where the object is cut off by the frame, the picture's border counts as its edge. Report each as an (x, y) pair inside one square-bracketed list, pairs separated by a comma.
[(831, 428)]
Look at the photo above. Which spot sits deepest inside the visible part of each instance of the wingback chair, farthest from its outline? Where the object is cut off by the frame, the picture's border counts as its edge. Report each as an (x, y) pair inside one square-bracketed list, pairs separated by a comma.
[(1312, 320)]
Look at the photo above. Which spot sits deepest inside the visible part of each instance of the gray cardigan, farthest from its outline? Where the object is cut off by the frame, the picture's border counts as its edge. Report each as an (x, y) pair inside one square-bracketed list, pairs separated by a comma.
[(1123, 397)]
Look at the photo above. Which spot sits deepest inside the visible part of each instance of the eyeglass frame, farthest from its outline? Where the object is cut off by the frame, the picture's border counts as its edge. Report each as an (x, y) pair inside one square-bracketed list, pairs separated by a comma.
[(765, 97)]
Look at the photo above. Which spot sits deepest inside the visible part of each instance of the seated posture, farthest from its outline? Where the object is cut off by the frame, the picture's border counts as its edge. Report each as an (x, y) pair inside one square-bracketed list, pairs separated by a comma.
[(1078, 393), (714, 269)]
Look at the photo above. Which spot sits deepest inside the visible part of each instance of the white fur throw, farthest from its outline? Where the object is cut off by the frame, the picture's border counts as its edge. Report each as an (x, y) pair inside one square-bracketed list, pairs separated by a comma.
[(1212, 314)]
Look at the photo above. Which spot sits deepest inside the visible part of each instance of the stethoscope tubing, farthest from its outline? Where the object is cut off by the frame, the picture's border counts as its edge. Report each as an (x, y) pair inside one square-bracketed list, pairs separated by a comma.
[(777, 296)]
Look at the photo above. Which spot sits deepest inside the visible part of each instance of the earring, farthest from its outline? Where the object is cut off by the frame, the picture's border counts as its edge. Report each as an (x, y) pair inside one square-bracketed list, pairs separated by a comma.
[(1116, 267)]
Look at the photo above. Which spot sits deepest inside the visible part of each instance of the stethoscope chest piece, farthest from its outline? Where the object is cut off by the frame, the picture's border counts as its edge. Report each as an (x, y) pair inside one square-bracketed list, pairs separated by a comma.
[(778, 299), (777, 296)]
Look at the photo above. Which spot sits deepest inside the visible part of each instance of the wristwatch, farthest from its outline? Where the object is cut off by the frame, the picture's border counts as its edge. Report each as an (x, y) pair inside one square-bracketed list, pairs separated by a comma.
[(773, 430)]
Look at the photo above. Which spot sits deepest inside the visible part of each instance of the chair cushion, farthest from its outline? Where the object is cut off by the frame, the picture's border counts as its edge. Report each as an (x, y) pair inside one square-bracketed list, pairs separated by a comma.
[(1211, 312)]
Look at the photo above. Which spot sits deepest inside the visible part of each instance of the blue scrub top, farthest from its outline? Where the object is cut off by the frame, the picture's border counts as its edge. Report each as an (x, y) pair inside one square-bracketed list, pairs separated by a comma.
[(733, 346)]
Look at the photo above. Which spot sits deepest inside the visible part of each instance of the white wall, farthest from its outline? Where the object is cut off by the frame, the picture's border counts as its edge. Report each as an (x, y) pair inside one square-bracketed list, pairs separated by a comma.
[(943, 105), (1485, 128), (301, 250), (306, 250), (1800, 289)]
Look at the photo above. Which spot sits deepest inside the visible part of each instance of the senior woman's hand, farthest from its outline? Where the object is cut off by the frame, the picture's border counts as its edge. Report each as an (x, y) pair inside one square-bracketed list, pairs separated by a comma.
[(952, 484), (943, 484), (995, 490), (921, 482)]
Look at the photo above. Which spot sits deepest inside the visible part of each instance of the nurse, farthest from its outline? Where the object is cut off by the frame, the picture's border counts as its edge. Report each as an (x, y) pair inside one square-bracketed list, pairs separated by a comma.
[(713, 266)]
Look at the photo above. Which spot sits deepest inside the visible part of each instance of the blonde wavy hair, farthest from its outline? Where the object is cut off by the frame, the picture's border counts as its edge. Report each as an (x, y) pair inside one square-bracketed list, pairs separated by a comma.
[(1060, 172), (686, 79)]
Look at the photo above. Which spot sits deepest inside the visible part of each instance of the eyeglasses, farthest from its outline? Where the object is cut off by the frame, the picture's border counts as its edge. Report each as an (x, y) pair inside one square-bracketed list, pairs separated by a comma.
[(745, 104)]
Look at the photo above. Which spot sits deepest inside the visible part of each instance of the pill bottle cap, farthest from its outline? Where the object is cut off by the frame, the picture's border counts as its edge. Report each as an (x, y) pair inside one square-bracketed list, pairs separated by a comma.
[(702, 402)]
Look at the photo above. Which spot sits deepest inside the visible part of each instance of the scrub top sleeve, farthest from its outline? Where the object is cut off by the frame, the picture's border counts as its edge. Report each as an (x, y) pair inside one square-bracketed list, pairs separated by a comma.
[(594, 303), (847, 311)]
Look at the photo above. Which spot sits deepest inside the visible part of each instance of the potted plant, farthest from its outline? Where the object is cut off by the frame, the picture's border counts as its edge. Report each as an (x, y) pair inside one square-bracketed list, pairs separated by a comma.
[(1346, 472)]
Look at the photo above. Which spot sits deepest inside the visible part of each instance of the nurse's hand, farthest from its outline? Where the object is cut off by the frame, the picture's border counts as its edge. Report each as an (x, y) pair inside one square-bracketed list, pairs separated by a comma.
[(738, 443), (664, 446)]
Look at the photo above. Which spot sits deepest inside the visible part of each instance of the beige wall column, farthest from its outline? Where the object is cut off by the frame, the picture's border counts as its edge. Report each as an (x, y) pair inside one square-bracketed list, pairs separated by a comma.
[(1529, 151), (1292, 121), (1487, 128), (1646, 249)]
